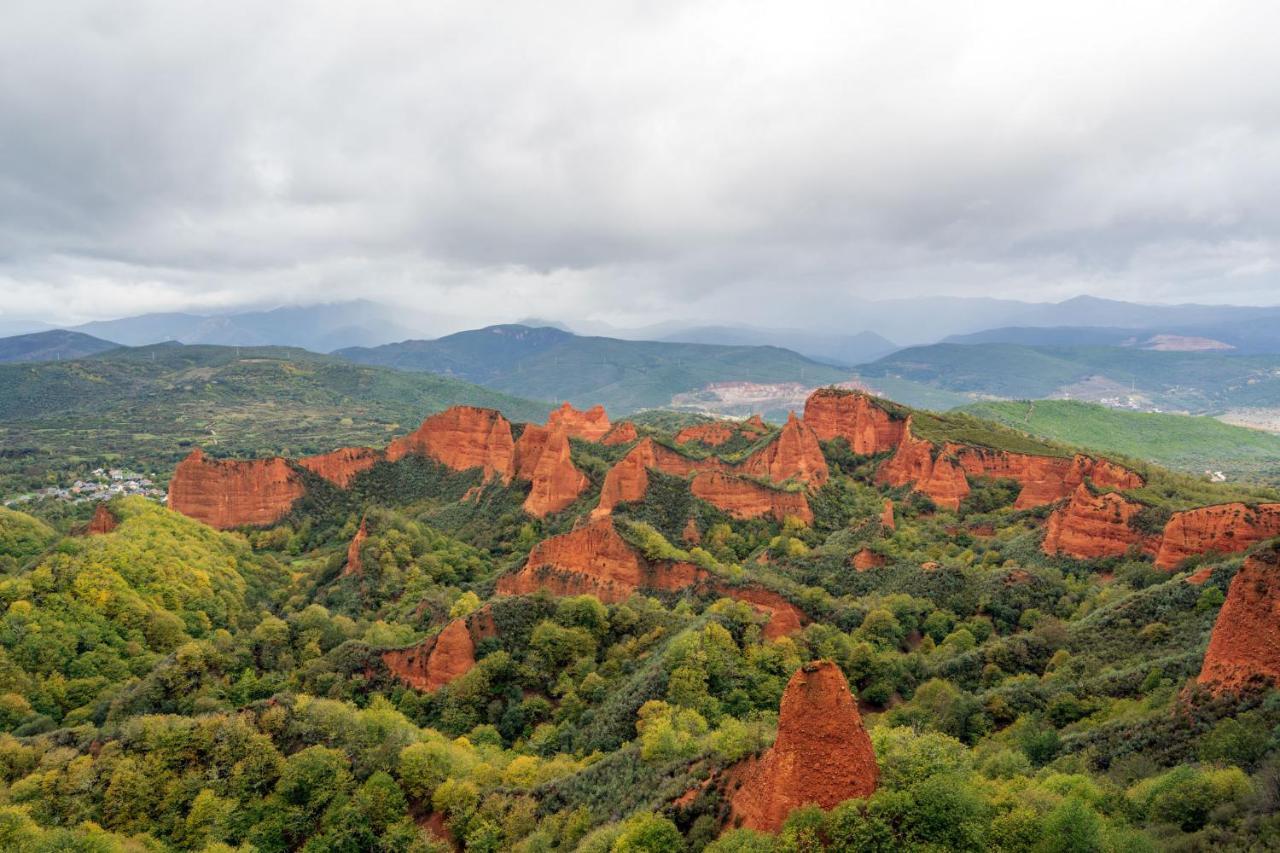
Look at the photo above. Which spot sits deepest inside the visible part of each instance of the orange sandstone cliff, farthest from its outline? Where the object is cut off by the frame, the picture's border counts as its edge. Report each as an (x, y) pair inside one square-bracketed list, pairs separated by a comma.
[(543, 457), (822, 755), (886, 515), (341, 466), (921, 465), (227, 494), (793, 455), (1090, 526), (591, 425), (855, 417), (438, 660), (462, 438), (1244, 648), (1225, 528)]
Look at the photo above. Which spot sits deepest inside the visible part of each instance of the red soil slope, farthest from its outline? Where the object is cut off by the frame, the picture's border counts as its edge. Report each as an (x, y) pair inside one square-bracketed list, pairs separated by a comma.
[(623, 433), (822, 755), (354, 566), (227, 494), (340, 466), (546, 459), (855, 417), (462, 438), (103, 521), (1244, 648)]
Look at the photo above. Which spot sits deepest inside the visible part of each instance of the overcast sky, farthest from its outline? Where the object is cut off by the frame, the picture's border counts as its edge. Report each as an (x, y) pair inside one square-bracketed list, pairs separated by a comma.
[(634, 162)]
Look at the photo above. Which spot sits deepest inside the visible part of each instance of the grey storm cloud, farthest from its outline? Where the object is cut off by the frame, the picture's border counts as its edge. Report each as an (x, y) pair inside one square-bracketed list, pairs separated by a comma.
[(634, 161)]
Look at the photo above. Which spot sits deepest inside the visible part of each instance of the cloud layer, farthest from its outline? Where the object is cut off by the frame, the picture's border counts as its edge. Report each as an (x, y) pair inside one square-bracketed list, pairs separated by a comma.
[(634, 162)]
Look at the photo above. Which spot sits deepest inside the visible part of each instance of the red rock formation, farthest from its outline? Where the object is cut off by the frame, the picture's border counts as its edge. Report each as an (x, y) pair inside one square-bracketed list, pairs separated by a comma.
[(822, 755), (340, 466), (354, 565), (692, 534), (591, 425), (103, 521), (943, 472), (628, 479), (623, 433), (755, 425), (927, 469), (438, 660), (227, 494), (1090, 526), (556, 481), (529, 449), (793, 455), (743, 498), (784, 617), (1225, 528), (594, 559), (886, 515), (1244, 648), (1198, 577), (462, 438), (855, 417), (867, 559), (712, 434)]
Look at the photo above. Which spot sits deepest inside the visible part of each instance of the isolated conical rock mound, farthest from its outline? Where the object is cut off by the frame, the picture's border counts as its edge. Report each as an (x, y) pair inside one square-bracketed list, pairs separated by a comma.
[(1244, 648), (822, 755), (103, 521)]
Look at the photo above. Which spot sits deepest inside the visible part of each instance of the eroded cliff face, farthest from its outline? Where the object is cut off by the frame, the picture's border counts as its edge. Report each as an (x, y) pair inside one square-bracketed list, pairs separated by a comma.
[(794, 455), (822, 756), (354, 566), (556, 480), (103, 521), (226, 494), (712, 435), (591, 425), (855, 417), (594, 559), (1244, 648), (943, 472), (622, 433), (341, 466), (866, 559), (1225, 528), (886, 515), (919, 464), (743, 498), (1090, 526), (462, 438), (784, 617), (438, 660)]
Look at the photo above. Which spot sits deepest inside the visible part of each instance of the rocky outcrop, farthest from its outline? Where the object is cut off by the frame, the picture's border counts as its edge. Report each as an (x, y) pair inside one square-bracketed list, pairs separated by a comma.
[(623, 433), (691, 533), (1244, 648), (354, 565), (794, 455), (462, 438), (226, 494), (711, 434), (594, 559), (1224, 528), (886, 515), (822, 755), (438, 660), (103, 521), (924, 467), (341, 466), (855, 417), (1090, 526), (743, 498), (943, 472), (591, 425), (866, 559), (543, 457), (628, 480)]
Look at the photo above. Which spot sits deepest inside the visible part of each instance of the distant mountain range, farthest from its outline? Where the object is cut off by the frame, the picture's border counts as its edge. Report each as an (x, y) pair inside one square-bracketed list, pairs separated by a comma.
[(320, 328), (834, 349), (548, 363), (53, 345)]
